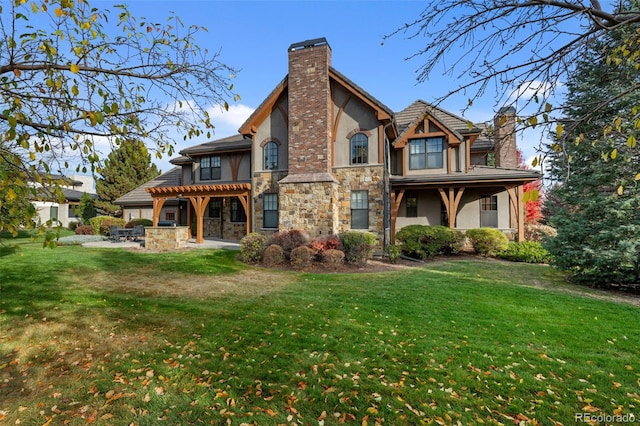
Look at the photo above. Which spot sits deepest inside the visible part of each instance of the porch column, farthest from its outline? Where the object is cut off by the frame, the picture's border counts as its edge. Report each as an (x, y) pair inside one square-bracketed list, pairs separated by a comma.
[(158, 202), (396, 200), (517, 209), (200, 205), (244, 199), (451, 200)]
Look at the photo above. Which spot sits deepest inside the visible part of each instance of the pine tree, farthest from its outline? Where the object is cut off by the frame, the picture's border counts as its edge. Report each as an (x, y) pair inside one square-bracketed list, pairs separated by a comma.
[(125, 168), (595, 205)]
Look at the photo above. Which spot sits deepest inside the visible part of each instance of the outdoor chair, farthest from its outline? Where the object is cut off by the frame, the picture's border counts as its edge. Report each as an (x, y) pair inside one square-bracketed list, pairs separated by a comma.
[(114, 233), (138, 231)]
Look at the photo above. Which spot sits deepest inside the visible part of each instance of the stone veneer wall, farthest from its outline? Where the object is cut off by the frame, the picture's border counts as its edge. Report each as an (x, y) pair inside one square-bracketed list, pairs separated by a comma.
[(166, 237), (365, 178), (310, 206), (230, 230), (264, 182)]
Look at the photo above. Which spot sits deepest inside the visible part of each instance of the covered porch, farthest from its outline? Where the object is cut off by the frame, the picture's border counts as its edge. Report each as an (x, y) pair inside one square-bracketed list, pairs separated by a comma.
[(199, 197), (454, 191)]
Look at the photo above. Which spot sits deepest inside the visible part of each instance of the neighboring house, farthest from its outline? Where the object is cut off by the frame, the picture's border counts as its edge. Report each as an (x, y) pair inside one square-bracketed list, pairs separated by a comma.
[(322, 155), (63, 213)]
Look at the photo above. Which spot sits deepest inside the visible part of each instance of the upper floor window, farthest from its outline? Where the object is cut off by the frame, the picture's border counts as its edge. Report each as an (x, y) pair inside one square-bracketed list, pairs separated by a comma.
[(426, 153), (270, 156), (359, 149), (359, 209), (210, 168)]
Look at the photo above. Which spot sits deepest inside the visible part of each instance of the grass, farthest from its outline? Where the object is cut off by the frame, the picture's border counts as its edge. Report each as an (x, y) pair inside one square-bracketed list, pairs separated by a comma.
[(193, 337)]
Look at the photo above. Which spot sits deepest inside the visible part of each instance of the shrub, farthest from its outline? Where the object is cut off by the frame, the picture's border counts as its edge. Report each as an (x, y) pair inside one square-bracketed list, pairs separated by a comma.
[(252, 247), (487, 241), (302, 256), (423, 241), (393, 252), (526, 251), (324, 243), (289, 240), (273, 256), (358, 246), (537, 232), (139, 221), (101, 224), (84, 230), (73, 225), (332, 257)]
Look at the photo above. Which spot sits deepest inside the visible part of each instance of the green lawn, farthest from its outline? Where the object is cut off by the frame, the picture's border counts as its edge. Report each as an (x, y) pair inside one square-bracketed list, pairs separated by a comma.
[(193, 337)]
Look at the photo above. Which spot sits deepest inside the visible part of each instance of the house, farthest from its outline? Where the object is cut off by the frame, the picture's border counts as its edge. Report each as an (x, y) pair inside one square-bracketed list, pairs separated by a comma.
[(323, 155), (62, 212)]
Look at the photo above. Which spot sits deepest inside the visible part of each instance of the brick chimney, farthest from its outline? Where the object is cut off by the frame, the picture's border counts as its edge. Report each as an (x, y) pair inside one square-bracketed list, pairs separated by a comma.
[(310, 148), (504, 125)]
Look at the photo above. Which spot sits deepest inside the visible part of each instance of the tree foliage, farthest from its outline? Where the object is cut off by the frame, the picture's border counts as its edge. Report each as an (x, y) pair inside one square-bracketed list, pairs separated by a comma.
[(73, 76), (524, 50), (86, 208), (125, 168), (595, 205)]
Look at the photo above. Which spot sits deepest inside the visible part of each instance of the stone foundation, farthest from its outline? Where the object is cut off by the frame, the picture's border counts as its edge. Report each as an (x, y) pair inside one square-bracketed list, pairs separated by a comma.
[(166, 237)]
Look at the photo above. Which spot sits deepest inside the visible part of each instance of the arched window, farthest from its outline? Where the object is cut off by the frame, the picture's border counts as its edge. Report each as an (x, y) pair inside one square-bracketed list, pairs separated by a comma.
[(359, 149), (270, 156)]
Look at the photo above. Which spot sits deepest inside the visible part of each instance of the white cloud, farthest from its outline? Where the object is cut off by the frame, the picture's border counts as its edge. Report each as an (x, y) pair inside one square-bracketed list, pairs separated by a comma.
[(228, 122)]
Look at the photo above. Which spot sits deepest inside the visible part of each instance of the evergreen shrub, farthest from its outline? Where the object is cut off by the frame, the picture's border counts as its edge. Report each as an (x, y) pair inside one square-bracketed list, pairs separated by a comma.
[(332, 257), (423, 241), (273, 256), (101, 224), (139, 221), (252, 247), (302, 256), (487, 241), (526, 251), (358, 246)]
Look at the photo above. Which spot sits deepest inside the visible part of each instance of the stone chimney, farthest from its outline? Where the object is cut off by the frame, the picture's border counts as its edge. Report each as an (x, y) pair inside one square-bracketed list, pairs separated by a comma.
[(504, 125), (310, 148)]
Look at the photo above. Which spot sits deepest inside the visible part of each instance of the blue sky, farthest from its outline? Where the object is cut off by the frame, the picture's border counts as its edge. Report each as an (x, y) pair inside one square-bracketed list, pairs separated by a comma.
[(253, 36)]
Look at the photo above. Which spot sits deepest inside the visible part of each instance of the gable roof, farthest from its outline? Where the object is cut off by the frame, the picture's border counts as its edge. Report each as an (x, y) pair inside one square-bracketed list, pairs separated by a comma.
[(265, 108), (140, 196)]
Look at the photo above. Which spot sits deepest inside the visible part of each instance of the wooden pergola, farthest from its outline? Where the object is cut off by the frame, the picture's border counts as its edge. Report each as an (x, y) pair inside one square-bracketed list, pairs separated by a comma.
[(199, 196)]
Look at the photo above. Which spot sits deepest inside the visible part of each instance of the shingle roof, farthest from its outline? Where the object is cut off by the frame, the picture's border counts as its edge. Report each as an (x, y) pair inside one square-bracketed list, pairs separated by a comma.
[(475, 174), (230, 143), (139, 196)]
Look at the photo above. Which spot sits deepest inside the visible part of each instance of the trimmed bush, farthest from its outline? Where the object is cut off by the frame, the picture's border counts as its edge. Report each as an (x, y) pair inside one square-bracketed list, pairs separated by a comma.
[(332, 257), (358, 246), (302, 256), (101, 224), (273, 256), (324, 243), (538, 232), (487, 241), (137, 222), (423, 241), (526, 251), (393, 253), (84, 230), (289, 240), (252, 247)]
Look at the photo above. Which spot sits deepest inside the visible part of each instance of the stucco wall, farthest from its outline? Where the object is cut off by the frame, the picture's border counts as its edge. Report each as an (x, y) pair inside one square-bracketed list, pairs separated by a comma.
[(274, 127), (244, 171)]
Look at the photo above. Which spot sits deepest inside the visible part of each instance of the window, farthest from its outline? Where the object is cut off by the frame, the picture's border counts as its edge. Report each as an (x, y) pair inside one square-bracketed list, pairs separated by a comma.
[(360, 209), (210, 168), (425, 153), (53, 213), (215, 207), (237, 211), (270, 156), (359, 149), (270, 210), (170, 216), (412, 205), (489, 211)]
